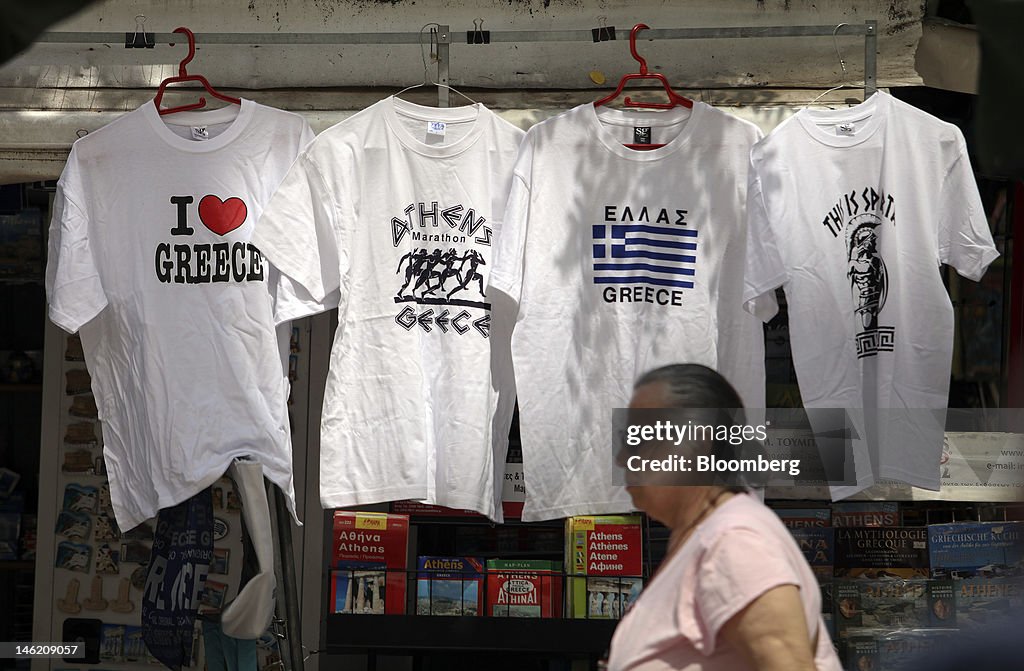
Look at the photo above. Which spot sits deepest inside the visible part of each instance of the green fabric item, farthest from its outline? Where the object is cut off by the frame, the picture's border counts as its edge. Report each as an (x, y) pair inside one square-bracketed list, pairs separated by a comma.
[(224, 653)]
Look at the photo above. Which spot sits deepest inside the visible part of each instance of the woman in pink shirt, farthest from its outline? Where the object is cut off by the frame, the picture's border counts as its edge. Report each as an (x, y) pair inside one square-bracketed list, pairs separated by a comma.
[(734, 592)]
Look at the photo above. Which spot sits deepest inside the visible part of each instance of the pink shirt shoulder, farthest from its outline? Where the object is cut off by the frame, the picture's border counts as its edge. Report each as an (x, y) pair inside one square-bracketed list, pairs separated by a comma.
[(738, 553)]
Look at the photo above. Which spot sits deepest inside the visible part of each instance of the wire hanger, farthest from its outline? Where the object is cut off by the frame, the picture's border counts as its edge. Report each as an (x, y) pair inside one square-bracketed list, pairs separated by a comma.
[(427, 80), (184, 76), (675, 100), (846, 83)]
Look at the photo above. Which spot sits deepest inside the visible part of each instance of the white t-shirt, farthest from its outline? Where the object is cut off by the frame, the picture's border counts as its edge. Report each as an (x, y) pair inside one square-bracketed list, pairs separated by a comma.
[(620, 261), (852, 212), (150, 257), (391, 215)]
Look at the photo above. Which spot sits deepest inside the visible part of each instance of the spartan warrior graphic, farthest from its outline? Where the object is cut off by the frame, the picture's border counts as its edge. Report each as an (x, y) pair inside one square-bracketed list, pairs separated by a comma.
[(869, 282), (432, 270)]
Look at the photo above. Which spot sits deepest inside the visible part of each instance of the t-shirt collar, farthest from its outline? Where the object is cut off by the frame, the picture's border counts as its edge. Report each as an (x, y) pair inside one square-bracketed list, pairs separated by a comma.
[(872, 112), (237, 115), (598, 117), (396, 107)]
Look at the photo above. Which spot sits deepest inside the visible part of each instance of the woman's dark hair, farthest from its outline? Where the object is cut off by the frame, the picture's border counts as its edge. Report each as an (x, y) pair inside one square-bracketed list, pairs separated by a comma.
[(691, 385)]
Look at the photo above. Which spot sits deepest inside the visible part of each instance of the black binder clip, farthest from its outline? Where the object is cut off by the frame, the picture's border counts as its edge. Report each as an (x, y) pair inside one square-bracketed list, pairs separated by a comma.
[(604, 32), (140, 39), (478, 35)]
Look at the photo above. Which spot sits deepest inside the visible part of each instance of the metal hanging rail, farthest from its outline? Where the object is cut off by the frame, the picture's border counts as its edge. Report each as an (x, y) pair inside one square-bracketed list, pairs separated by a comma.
[(867, 28), (445, 37)]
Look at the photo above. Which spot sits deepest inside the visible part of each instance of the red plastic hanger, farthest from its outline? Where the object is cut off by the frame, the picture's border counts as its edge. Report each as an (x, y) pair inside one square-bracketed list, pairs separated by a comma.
[(675, 100), (184, 76)]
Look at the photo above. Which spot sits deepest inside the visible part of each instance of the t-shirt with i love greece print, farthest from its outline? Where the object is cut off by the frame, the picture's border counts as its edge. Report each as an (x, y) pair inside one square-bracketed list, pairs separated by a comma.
[(150, 258)]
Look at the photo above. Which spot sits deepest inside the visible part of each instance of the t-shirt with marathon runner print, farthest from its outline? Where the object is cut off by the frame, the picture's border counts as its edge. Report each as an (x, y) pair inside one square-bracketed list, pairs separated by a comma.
[(391, 216), (620, 261), (150, 258)]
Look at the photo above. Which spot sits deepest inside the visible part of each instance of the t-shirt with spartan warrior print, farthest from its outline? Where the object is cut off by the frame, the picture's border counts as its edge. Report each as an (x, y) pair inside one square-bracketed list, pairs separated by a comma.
[(151, 258), (391, 217), (852, 212)]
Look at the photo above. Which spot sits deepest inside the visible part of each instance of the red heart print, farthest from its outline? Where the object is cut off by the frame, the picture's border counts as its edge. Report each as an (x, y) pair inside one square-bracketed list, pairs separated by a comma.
[(222, 217)]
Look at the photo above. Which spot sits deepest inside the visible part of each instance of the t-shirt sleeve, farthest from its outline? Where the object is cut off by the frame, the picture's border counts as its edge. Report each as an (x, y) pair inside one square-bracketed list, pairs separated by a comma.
[(507, 276), (298, 235), (965, 241), (291, 301), (763, 268), (510, 248), (736, 569), (740, 335), (73, 286), (307, 135)]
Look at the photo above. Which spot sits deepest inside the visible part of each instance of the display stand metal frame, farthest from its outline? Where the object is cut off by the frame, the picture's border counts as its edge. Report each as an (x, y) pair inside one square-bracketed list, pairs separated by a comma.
[(342, 631), (445, 38)]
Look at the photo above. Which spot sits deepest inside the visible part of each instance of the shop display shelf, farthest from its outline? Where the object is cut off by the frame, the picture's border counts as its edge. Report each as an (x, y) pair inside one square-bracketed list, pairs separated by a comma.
[(383, 634)]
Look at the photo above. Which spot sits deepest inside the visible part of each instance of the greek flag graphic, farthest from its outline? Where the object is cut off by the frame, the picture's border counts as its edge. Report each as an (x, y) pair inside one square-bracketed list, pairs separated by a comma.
[(662, 256)]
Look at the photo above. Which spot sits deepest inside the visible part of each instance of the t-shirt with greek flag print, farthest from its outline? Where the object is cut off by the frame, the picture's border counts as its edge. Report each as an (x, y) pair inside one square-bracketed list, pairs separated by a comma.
[(391, 216), (620, 261)]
